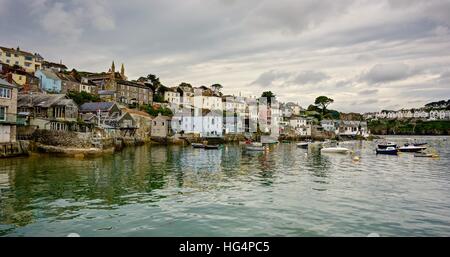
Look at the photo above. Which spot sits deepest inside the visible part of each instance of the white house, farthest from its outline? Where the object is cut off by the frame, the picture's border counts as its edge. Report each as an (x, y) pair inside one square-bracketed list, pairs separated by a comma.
[(353, 128), (330, 126), (173, 98), (301, 125), (205, 123)]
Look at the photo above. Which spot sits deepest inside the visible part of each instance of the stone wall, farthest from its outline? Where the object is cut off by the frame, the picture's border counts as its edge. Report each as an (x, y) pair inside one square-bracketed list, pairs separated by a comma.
[(61, 138)]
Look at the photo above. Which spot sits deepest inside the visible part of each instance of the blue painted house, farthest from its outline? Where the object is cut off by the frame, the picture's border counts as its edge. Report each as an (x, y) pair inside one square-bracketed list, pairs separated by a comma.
[(50, 81)]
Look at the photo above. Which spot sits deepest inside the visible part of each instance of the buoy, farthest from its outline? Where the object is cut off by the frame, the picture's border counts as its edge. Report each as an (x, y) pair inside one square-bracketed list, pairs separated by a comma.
[(356, 158), (73, 235)]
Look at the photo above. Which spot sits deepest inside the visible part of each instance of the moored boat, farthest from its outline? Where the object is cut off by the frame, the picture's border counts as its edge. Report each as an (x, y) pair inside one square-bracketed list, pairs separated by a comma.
[(303, 145), (386, 145), (211, 147), (254, 148), (388, 150), (197, 145), (335, 150), (411, 148), (426, 155)]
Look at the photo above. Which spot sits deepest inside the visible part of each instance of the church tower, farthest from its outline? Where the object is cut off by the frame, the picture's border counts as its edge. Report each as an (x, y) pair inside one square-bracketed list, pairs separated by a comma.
[(111, 84), (122, 72)]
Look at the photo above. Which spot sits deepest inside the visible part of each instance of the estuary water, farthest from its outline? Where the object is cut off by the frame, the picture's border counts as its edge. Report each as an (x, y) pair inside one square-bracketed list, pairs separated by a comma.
[(181, 191)]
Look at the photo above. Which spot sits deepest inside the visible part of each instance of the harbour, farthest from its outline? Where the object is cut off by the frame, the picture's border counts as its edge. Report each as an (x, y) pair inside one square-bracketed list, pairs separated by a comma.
[(286, 190)]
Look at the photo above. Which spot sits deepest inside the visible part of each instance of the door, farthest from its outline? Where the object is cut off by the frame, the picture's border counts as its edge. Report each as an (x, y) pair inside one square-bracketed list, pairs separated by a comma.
[(5, 134)]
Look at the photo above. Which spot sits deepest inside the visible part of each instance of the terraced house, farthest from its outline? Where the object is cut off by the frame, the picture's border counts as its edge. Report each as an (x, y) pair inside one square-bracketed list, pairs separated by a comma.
[(15, 56), (8, 111)]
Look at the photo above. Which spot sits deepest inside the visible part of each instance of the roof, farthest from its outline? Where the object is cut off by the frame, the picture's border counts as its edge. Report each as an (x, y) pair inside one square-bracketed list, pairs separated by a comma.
[(6, 83), (42, 100), (129, 83), (67, 77), (162, 117), (93, 107), (49, 74), (106, 92), (54, 64), (136, 112), (212, 112), (16, 51)]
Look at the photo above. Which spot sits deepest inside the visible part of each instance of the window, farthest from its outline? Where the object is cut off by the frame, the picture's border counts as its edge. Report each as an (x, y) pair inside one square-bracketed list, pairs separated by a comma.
[(8, 54), (28, 58), (5, 93), (7, 61), (27, 64), (2, 113), (17, 63)]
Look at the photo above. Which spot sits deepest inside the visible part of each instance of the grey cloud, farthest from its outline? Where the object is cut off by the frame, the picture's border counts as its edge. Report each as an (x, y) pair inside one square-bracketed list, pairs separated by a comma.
[(263, 41), (382, 73), (368, 92), (305, 77), (267, 78)]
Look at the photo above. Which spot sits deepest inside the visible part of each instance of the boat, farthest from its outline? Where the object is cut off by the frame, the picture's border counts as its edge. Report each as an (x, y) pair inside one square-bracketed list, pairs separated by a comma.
[(211, 147), (427, 155), (420, 144), (303, 145), (411, 148), (335, 150), (388, 150), (254, 148), (197, 145), (386, 145)]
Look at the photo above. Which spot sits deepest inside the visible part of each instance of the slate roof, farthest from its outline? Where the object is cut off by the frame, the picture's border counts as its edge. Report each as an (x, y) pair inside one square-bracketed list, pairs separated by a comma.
[(93, 107), (41, 100), (6, 83), (50, 74)]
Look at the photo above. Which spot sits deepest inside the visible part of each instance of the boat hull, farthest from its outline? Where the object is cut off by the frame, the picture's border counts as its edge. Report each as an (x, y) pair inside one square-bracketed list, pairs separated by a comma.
[(340, 150), (303, 145), (411, 149), (388, 152), (198, 145), (211, 147)]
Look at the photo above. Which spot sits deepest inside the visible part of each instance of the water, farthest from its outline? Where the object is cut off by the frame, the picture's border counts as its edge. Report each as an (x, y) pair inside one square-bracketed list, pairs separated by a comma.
[(181, 191)]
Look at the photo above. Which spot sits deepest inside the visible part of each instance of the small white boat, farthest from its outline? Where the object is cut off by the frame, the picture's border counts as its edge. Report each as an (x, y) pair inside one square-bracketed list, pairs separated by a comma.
[(411, 148), (335, 150), (303, 145), (254, 148)]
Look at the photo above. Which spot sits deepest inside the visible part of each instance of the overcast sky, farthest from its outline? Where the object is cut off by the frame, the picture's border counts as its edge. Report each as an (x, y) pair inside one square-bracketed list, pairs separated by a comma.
[(366, 55)]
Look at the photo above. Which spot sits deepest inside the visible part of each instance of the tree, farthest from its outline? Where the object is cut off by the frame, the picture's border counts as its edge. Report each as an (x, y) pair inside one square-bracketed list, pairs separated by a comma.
[(83, 97), (216, 87), (268, 95), (323, 102)]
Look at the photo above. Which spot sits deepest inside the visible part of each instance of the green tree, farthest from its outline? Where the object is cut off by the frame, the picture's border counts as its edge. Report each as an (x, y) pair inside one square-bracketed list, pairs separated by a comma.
[(217, 87), (323, 102), (83, 97), (268, 95)]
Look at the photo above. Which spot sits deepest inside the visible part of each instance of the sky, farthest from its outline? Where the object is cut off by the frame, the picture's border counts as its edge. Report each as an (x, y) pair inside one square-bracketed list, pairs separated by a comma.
[(366, 55)]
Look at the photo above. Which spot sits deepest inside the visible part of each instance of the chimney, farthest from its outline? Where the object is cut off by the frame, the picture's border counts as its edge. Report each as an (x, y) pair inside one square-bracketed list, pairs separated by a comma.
[(9, 77), (18, 48)]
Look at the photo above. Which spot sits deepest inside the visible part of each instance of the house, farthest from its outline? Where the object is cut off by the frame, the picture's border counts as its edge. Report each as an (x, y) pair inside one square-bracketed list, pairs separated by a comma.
[(8, 111), (143, 122), (161, 126), (107, 114), (301, 125), (100, 109), (330, 125), (48, 111), (173, 97), (15, 56), (49, 81), (55, 67), (353, 128), (203, 122), (133, 93)]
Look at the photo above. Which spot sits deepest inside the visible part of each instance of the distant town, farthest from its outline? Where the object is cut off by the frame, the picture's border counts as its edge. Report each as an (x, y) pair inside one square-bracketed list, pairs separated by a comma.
[(57, 108)]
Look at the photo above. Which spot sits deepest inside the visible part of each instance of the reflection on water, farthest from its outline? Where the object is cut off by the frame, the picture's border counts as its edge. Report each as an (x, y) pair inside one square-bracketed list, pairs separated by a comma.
[(181, 191)]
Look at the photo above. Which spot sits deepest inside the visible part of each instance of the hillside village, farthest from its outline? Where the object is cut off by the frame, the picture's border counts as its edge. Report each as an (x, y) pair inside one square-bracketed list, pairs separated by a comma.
[(40, 95)]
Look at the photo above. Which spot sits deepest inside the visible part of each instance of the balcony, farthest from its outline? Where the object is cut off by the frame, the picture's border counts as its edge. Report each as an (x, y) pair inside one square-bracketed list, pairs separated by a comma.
[(8, 119)]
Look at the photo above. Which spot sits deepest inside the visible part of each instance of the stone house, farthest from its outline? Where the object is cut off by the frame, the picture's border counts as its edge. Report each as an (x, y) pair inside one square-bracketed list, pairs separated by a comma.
[(8, 111), (161, 126), (48, 111)]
